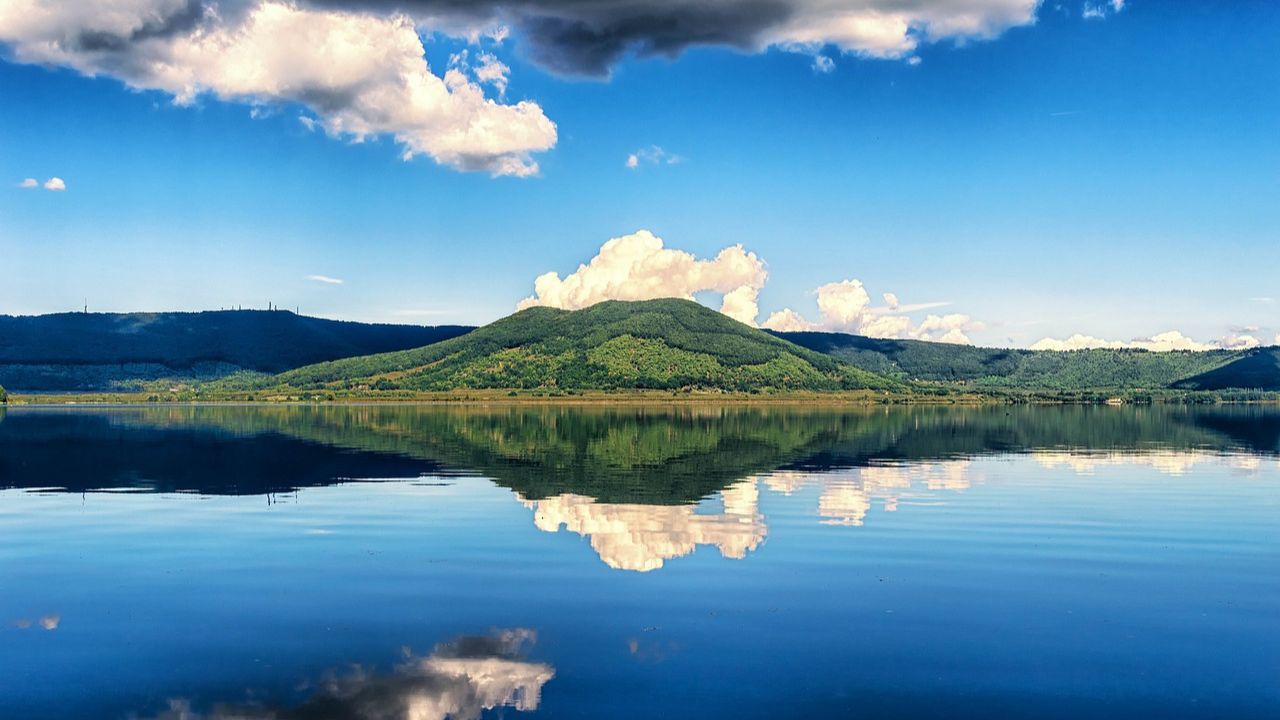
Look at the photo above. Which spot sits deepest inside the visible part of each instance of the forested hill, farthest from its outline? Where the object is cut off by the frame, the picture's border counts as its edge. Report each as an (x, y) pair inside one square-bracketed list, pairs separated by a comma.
[(100, 350), (1099, 369), (652, 344)]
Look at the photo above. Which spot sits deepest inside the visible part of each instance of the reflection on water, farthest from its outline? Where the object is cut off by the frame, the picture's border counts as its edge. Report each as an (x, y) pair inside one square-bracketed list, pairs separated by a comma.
[(458, 680), (883, 562), (631, 536), (1166, 462)]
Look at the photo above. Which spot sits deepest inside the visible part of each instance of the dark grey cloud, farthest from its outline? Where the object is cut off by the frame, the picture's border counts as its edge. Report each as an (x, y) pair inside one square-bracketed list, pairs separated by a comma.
[(588, 37), (577, 37), (169, 22)]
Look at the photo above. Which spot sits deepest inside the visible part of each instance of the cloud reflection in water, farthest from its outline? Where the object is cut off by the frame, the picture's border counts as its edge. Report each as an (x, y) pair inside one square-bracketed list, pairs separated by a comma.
[(459, 680)]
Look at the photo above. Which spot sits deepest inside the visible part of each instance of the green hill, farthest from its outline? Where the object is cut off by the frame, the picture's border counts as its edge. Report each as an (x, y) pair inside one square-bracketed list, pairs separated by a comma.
[(1074, 370), (654, 344), (105, 351)]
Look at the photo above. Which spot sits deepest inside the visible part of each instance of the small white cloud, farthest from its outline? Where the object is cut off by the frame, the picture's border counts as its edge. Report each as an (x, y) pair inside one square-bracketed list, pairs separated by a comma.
[(29, 183), (1099, 10), (652, 155), (914, 60), (324, 279), (309, 123), (823, 64), (55, 184)]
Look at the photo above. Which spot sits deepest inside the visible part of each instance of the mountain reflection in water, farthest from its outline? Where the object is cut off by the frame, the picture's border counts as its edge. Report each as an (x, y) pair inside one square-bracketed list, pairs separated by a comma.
[(632, 480)]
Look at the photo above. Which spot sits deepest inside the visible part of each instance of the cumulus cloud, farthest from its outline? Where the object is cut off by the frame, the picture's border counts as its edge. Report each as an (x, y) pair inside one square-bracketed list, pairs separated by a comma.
[(325, 279), (846, 306), (55, 184), (29, 183), (589, 38), (639, 267), (361, 74), (823, 64), (652, 155), (1160, 342)]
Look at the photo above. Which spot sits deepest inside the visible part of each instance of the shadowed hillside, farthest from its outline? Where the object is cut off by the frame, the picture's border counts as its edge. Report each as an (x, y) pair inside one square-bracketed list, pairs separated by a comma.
[(88, 351), (1258, 369)]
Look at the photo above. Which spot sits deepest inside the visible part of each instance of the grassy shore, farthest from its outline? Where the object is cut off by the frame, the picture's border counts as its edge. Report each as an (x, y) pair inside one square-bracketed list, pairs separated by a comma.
[(932, 395)]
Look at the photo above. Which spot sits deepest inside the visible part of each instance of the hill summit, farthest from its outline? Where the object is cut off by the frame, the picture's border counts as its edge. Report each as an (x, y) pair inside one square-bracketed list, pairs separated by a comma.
[(652, 344)]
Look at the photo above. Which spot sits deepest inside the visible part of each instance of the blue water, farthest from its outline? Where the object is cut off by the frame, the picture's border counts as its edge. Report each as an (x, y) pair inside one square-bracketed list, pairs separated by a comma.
[(418, 562)]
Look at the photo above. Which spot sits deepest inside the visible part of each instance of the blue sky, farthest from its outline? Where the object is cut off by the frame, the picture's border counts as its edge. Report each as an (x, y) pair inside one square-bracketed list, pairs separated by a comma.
[(1115, 176)]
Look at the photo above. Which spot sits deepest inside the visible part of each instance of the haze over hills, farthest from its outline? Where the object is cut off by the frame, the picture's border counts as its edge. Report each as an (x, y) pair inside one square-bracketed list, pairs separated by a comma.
[(651, 344), (100, 351)]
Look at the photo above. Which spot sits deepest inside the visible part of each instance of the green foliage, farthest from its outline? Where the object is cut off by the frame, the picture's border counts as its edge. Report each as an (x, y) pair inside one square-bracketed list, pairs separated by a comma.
[(655, 344), (1001, 369), (4, 396)]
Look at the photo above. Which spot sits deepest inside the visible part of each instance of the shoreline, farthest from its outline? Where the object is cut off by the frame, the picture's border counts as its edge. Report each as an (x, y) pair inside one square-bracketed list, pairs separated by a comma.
[(861, 398)]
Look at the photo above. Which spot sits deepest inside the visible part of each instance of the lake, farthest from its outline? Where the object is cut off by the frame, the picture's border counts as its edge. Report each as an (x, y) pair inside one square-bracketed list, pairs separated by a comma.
[(380, 562)]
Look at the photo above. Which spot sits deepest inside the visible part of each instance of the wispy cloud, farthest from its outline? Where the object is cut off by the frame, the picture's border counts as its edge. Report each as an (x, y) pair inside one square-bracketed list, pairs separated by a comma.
[(823, 64), (652, 155), (29, 183), (325, 279)]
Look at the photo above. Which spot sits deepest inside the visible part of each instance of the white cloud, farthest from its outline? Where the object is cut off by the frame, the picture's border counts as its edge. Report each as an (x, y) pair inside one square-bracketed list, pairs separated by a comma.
[(324, 279), (55, 184), (638, 267), (652, 155), (29, 183), (1161, 342), (1276, 340), (361, 74), (845, 306), (823, 64)]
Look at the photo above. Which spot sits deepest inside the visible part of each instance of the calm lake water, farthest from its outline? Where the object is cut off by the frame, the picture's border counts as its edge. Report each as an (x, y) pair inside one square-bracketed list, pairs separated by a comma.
[(662, 562)]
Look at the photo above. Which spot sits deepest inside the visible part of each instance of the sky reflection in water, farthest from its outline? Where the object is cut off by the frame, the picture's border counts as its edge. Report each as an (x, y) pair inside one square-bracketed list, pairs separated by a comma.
[(922, 562)]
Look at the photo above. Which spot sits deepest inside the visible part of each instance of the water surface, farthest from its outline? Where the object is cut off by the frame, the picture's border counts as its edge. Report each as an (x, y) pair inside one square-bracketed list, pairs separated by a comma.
[(700, 562)]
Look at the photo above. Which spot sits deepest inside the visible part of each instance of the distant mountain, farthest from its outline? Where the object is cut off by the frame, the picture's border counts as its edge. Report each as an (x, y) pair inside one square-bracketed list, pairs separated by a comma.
[(1259, 369), (653, 344), (1074, 370), (98, 351)]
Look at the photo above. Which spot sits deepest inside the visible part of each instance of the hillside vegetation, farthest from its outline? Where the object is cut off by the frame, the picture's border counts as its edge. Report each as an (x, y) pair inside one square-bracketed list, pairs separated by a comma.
[(79, 351), (1100, 369), (653, 344)]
